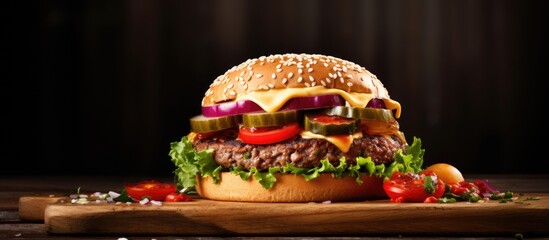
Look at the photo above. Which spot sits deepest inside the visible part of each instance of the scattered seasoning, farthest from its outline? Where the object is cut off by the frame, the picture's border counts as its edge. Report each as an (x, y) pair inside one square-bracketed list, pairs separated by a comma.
[(521, 200), (477, 191)]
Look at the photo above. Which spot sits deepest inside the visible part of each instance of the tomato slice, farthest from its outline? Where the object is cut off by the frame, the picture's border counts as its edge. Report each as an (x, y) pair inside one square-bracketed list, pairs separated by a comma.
[(327, 119), (153, 189), (411, 187), (268, 135)]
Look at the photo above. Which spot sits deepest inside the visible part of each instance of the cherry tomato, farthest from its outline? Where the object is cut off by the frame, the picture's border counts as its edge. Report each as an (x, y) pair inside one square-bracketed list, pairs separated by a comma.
[(411, 187), (177, 197), (431, 199), (457, 189), (268, 135), (464, 187), (153, 189)]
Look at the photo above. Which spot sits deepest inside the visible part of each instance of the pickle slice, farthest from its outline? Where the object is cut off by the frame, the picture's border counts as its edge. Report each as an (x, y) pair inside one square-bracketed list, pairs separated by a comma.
[(201, 124), (269, 119), (331, 125), (378, 114)]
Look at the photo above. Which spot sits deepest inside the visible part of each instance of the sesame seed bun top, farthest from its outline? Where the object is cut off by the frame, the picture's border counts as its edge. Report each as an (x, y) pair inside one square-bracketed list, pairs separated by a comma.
[(293, 71)]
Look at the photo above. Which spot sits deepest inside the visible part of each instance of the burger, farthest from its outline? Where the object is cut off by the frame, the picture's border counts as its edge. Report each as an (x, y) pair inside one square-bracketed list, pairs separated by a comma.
[(294, 128)]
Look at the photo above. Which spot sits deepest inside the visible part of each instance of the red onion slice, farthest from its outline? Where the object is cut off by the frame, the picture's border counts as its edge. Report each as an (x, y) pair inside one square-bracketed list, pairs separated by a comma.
[(247, 106), (376, 103), (230, 108), (321, 101)]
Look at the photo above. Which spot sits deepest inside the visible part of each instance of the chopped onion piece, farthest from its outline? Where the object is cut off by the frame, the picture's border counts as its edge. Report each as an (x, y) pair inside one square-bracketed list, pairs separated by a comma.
[(144, 201), (114, 194)]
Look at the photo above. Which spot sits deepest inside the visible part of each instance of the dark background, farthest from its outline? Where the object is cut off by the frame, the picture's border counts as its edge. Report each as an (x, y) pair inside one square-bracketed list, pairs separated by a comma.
[(103, 87)]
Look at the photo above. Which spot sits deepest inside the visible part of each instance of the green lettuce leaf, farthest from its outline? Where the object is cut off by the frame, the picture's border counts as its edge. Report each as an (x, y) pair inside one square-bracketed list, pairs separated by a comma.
[(189, 163)]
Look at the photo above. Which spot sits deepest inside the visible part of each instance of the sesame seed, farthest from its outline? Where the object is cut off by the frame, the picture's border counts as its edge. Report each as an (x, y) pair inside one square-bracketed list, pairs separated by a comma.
[(311, 78), (344, 69), (350, 76), (307, 84), (350, 84), (259, 75), (232, 93), (300, 79), (264, 87), (339, 74), (270, 85), (310, 70), (290, 74), (279, 70), (300, 71), (313, 84), (245, 86), (328, 80), (278, 66), (341, 80), (362, 78), (273, 76), (284, 81), (230, 85), (323, 83), (326, 65)]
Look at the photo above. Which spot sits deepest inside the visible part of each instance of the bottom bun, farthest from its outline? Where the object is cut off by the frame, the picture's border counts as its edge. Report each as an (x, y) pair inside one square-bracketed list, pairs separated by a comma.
[(292, 188)]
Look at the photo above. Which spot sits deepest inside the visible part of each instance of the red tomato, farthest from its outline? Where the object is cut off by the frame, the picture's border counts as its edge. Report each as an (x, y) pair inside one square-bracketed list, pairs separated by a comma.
[(411, 187), (484, 188), (457, 189), (331, 119), (431, 199), (177, 197), (268, 135), (153, 189)]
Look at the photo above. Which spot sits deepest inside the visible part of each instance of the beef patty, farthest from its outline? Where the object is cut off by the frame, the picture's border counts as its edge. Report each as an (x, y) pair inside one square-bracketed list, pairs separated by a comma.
[(299, 152)]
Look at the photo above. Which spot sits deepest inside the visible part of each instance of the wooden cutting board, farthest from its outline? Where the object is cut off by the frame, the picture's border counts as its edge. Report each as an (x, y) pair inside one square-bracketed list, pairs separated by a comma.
[(206, 217), (31, 208)]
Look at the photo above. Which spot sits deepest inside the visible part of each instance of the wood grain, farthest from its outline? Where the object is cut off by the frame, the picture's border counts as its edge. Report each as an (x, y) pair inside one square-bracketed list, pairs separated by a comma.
[(206, 217), (31, 208)]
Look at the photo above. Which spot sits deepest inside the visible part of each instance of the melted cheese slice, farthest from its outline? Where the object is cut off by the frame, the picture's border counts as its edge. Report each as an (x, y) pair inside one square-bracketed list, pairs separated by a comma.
[(274, 99), (343, 142)]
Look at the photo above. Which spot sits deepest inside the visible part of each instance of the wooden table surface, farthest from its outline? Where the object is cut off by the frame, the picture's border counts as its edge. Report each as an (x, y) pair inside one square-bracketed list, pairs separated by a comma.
[(12, 187)]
